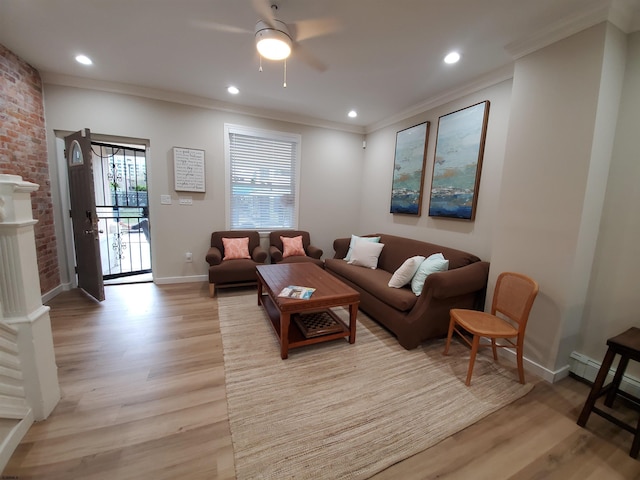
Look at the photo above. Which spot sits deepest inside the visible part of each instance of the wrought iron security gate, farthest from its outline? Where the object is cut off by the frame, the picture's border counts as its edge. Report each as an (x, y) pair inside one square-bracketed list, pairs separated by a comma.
[(122, 205)]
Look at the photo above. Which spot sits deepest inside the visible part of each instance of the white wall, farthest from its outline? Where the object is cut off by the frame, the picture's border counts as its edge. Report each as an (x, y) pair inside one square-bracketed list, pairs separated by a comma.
[(474, 237), (612, 302), (554, 178), (331, 163)]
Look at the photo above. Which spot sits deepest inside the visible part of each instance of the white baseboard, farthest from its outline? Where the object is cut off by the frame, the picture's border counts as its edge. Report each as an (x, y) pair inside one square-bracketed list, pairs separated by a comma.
[(160, 281), (191, 279), (55, 292), (530, 366), (587, 368)]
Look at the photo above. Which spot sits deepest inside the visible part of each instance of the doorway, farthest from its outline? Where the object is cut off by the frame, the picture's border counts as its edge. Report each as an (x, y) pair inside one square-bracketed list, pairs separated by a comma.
[(122, 206)]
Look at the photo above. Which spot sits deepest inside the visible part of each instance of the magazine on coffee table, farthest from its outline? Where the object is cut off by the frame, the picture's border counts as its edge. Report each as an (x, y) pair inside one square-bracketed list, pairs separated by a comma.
[(296, 291)]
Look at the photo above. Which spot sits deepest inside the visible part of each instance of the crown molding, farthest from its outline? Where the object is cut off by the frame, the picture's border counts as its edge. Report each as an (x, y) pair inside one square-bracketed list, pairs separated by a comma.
[(480, 83), (624, 14), (49, 78), (595, 13)]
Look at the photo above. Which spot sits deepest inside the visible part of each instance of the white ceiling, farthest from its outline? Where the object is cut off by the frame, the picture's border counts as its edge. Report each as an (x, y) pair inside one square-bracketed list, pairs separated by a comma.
[(385, 60)]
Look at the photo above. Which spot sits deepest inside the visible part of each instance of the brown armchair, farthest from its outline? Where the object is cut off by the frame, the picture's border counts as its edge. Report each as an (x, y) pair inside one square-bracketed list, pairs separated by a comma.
[(276, 248), (237, 271)]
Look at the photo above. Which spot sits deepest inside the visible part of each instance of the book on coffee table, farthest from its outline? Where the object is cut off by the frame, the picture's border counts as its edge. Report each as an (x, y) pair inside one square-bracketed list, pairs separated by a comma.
[(296, 291)]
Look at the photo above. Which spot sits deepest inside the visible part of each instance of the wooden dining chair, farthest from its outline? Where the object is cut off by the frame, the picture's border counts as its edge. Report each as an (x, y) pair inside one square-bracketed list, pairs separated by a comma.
[(512, 302)]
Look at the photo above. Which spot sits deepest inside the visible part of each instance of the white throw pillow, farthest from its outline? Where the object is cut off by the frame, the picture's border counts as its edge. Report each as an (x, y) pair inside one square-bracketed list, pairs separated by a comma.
[(355, 238), (365, 253), (433, 263), (406, 271)]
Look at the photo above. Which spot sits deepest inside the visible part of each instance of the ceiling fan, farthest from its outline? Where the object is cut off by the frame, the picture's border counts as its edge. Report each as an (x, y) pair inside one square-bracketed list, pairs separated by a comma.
[(276, 40)]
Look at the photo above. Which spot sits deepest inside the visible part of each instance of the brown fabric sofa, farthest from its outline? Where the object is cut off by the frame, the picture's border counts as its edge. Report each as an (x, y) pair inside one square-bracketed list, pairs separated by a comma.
[(227, 273), (275, 248), (413, 319)]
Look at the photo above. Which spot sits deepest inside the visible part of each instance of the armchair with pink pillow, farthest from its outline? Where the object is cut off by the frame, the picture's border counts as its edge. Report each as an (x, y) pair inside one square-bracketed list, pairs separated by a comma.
[(291, 246), (233, 257)]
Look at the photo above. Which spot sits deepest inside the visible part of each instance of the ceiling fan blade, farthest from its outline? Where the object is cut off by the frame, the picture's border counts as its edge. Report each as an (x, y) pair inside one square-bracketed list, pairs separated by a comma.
[(307, 57), (220, 27), (264, 11), (305, 29)]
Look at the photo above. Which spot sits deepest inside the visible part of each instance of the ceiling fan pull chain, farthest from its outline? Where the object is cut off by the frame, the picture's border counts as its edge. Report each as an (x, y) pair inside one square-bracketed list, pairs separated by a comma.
[(260, 69), (284, 85)]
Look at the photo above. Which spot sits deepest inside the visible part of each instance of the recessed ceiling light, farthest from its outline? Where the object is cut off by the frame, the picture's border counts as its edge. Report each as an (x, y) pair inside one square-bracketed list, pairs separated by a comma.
[(233, 90), (83, 59), (452, 57), (352, 114)]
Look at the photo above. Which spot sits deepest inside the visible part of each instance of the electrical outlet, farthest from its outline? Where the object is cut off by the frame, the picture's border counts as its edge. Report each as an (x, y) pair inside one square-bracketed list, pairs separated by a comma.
[(188, 257)]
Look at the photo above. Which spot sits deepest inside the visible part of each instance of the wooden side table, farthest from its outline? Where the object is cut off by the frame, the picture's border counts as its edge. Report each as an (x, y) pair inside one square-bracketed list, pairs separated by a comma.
[(627, 345)]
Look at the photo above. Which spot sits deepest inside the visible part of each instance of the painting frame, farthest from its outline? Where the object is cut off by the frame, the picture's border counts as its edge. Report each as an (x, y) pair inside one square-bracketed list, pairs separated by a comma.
[(409, 164), (457, 162)]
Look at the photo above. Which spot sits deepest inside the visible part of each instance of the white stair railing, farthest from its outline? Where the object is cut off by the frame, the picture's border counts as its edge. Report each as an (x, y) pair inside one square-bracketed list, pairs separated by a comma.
[(29, 387), (13, 403), (16, 416)]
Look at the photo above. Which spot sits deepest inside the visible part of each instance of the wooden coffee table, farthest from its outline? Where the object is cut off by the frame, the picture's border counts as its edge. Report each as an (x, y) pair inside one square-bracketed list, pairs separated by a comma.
[(330, 292)]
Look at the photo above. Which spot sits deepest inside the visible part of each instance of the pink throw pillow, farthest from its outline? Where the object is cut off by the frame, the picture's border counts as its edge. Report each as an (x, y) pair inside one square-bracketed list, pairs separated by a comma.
[(292, 246), (236, 248)]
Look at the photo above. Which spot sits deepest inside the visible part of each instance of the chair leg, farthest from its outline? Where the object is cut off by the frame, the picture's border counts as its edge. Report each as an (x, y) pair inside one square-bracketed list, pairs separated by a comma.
[(472, 359), (495, 349), (452, 324), (596, 387), (520, 364), (617, 379), (212, 289), (635, 446)]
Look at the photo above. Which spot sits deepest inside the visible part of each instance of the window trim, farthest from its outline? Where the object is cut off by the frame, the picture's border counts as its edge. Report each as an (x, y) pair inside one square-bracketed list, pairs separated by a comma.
[(268, 134)]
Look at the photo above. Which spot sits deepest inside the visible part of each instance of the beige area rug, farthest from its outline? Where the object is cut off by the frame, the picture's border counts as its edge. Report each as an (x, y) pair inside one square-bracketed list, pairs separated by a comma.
[(341, 411)]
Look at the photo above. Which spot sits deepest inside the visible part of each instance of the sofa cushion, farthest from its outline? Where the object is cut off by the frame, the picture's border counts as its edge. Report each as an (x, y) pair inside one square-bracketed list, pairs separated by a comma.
[(434, 263), (398, 249), (375, 282), (233, 271), (355, 238), (235, 248), (365, 253), (406, 271), (292, 247)]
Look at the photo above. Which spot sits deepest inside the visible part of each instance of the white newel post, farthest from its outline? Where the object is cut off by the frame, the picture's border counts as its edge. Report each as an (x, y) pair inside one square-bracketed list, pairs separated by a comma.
[(20, 297)]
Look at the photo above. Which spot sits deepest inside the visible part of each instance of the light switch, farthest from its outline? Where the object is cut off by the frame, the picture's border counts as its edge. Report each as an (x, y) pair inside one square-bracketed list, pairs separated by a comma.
[(165, 199), (186, 201)]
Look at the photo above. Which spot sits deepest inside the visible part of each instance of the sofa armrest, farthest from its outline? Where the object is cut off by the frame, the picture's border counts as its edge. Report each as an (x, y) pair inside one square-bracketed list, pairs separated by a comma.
[(459, 281), (275, 253), (214, 256), (259, 254), (341, 246), (314, 252)]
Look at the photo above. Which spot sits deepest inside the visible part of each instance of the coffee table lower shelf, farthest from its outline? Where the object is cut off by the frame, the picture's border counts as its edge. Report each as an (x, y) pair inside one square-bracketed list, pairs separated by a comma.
[(296, 337)]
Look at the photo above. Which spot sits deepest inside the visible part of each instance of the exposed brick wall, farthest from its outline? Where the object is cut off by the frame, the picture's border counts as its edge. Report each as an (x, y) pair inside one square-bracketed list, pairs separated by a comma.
[(23, 151)]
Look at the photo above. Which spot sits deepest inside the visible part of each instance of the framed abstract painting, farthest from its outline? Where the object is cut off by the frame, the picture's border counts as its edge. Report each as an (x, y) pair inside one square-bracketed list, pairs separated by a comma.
[(458, 162), (408, 169)]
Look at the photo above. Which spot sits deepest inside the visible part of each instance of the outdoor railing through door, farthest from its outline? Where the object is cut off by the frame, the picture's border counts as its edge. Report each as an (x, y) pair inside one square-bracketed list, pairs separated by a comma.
[(120, 182)]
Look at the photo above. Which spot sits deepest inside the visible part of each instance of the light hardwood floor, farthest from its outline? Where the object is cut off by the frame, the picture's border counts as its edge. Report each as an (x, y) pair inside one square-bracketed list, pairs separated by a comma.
[(143, 397)]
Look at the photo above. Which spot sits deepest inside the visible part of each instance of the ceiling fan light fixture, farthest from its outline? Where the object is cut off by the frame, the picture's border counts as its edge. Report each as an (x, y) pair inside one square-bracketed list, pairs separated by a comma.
[(272, 43)]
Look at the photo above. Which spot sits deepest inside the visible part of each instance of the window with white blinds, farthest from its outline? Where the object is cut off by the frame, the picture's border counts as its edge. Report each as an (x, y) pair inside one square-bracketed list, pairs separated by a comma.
[(262, 178)]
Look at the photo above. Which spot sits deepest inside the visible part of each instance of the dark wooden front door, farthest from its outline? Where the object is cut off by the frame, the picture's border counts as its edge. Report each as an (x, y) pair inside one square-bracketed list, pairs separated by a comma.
[(83, 213)]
